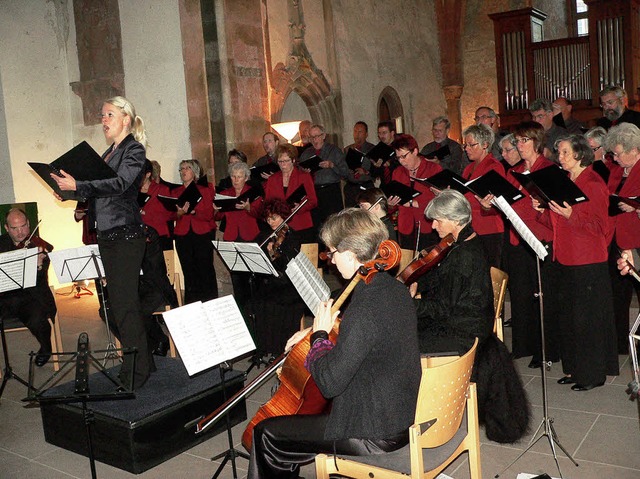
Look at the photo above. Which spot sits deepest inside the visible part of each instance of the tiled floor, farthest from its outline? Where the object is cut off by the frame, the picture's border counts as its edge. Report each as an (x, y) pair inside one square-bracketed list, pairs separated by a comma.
[(600, 428)]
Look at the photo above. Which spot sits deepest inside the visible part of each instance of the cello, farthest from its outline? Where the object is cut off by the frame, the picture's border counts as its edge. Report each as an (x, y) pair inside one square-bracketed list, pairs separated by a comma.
[(297, 393)]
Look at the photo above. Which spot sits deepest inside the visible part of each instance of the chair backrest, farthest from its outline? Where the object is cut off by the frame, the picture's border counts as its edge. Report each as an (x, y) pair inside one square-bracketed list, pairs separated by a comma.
[(405, 259), (499, 281), (170, 262), (311, 250), (443, 396)]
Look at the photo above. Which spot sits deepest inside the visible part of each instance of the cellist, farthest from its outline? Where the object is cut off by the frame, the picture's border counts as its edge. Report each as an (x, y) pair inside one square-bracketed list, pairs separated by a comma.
[(371, 374)]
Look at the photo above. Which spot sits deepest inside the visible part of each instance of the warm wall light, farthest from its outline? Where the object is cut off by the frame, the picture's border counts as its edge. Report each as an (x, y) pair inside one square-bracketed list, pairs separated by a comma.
[(287, 130)]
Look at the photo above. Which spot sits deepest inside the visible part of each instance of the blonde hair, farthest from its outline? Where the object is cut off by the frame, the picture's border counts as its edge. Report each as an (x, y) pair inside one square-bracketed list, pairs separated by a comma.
[(137, 124)]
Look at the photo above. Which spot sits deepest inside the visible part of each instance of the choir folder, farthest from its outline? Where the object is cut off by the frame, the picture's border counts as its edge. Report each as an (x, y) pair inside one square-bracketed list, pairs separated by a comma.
[(551, 184)]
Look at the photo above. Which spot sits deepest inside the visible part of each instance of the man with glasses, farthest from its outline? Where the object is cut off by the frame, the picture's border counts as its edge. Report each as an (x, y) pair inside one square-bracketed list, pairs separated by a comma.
[(453, 160), (615, 108), (542, 113), (487, 116), (333, 169)]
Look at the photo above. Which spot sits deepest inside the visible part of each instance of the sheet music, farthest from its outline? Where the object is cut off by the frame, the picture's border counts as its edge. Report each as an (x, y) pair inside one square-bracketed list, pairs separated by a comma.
[(18, 269), (307, 281), (74, 264), (523, 230), (247, 257), (207, 334)]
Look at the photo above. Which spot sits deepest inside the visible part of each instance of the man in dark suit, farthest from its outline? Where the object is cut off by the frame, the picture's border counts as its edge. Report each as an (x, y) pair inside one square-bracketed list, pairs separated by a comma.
[(615, 108), (33, 306)]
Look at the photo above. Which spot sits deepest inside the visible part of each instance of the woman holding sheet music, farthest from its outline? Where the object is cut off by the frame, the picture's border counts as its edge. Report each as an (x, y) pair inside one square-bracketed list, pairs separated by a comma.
[(284, 184), (241, 222), (371, 373), (154, 214), (582, 297), (486, 221), (113, 203), (194, 233)]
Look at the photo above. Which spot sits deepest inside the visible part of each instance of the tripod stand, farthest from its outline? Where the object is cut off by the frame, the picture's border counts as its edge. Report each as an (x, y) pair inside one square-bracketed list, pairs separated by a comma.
[(230, 454), (7, 371), (545, 429)]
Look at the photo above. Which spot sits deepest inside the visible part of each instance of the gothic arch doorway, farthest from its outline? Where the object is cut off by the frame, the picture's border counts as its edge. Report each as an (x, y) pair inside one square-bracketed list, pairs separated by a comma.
[(389, 105)]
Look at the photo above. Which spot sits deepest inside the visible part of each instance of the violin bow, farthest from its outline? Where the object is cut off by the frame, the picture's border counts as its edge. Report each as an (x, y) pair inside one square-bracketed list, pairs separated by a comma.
[(275, 232)]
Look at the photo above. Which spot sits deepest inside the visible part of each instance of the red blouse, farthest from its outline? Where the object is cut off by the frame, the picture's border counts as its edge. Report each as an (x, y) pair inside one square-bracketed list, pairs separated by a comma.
[(275, 189), (409, 217), (154, 214), (582, 239), (200, 220), (241, 224), (484, 222), (627, 225)]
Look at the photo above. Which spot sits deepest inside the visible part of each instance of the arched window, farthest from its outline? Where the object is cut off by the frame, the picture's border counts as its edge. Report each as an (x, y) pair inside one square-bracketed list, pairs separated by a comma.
[(389, 105)]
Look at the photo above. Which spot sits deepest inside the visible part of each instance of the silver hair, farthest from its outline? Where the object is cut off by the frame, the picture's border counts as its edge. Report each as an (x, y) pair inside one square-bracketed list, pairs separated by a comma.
[(627, 135), (442, 119), (617, 90), (481, 133), (540, 104), (450, 205), (510, 138), (240, 166), (194, 165), (597, 134)]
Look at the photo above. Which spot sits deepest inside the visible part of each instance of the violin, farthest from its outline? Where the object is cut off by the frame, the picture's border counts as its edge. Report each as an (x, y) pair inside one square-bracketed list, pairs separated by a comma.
[(298, 393), (277, 242), (35, 241), (426, 260)]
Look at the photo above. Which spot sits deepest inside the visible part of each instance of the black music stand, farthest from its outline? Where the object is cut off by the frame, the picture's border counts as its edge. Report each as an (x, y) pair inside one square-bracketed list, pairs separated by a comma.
[(83, 360), (247, 257), (546, 426), (75, 264), (18, 270)]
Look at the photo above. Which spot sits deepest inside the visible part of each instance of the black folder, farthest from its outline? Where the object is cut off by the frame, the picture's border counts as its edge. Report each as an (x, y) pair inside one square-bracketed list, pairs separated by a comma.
[(493, 183), (312, 164), (256, 171), (190, 194), (225, 205), (302, 148), (143, 198), (299, 194), (551, 184), (354, 158), (82, 162), (168, 184), (446, 179), (600, 168), (381, 151), (441, 153), (614, 210), (404, 192)]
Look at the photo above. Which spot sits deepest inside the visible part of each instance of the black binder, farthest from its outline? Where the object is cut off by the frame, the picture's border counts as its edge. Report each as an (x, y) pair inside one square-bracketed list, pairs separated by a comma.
[(354, 158), (312, 164), (381, 151), (225, 205), (143, 198), (441, 153), (190, 194), (614, 210), (493, 183), (256, 171), (299, 194), (446, 179), (551, 184), (404, 192), (82, 162)]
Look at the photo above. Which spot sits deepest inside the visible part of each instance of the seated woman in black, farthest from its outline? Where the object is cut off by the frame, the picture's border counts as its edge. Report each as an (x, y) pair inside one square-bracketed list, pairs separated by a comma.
[(456, 298), (371, 374)]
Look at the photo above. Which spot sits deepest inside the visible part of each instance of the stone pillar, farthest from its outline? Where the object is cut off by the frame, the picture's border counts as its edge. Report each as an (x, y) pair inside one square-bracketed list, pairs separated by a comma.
[(452, 95)]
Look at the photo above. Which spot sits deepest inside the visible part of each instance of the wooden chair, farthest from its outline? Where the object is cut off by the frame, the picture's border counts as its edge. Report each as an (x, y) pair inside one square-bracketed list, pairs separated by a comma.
[(499, 281), (407, 256), (12, 325), (447, 396)]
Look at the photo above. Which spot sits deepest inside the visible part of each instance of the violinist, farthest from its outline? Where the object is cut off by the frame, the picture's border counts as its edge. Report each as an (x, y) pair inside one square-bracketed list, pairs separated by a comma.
[(371, 374), (455, 303), (241, 224), (31, 305), (276, 305), (374, 200)]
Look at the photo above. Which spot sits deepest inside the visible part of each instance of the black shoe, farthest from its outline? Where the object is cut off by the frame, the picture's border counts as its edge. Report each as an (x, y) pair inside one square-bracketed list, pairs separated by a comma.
[(42, 357), (161, 348), (535, 364), (585, 387), (566, 380)]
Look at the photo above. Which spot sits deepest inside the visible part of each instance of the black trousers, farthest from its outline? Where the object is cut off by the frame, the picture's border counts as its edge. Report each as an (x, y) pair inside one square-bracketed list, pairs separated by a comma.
[(329, 202), (492, 244), (282, 444), (31, 311), (623, 289), (122, 260), (196, 258)]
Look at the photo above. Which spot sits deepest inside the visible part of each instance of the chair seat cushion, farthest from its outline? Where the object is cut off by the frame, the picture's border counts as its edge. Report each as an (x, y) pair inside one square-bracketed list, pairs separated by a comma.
[(400, 460)]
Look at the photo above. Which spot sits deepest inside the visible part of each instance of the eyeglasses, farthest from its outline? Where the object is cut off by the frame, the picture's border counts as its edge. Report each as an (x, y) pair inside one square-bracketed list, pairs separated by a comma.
[(609, 102), (523, 139), (596, 148), (482, 117), (315, 137), (508, 150), (470, 145), (540, 116), (284, 162), (331, 253), (402, 157)]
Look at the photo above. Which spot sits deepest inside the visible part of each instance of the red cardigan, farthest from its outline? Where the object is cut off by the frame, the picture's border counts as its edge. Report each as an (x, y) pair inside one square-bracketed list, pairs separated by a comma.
[(241, 223), (483, 222), (524, 208), (627, 225), (200, 220), (408, 217), (274, 189), (582, 239), (154, 214)]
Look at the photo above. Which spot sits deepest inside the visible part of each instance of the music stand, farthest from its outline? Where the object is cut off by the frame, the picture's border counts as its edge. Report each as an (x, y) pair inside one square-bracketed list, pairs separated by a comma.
[(247, 257), (18, 270), (207, 335), (75, 264), (83, 360), (546, 426)]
